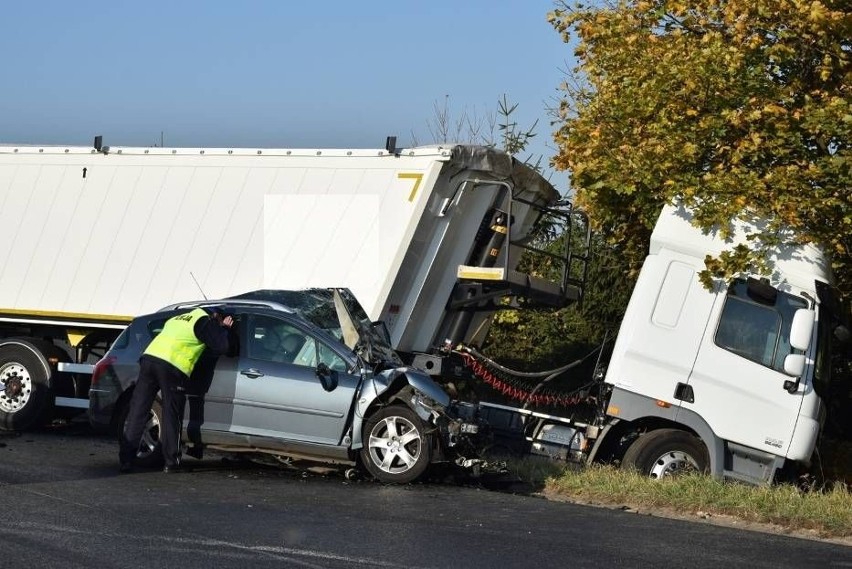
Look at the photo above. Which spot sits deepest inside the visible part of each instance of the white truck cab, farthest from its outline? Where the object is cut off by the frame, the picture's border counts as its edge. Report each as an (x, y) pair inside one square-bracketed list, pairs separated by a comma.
[(733, 366)]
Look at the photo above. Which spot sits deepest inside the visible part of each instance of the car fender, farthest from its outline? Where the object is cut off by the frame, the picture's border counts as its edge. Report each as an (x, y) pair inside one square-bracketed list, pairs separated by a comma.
[(383, 387)]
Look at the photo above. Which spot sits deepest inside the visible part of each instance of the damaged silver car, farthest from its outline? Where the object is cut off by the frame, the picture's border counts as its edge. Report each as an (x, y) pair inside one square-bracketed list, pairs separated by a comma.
[(311, 377)]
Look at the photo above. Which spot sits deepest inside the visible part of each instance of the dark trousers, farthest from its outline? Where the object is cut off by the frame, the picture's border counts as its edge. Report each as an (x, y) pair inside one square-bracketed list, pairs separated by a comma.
[(155, 375), (199, 384)]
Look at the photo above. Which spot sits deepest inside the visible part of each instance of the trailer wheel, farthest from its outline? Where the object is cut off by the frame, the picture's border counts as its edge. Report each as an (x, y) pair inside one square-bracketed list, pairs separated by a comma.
[(397, 449), (150, 453), (666, 452), (25, 398)]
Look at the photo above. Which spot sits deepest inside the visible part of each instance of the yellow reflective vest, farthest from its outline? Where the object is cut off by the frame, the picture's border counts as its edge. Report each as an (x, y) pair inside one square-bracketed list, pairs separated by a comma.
[(177, 343)]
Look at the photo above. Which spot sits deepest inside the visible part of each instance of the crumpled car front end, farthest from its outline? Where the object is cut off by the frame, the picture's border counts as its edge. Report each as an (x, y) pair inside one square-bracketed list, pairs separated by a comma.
[(455, 426)]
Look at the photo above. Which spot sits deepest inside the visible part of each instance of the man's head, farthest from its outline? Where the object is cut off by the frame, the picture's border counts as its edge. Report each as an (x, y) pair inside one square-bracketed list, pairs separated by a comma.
[(220, 314)]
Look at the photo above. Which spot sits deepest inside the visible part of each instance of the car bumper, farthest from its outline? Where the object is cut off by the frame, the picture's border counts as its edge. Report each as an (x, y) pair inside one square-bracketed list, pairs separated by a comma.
[(101, 409)]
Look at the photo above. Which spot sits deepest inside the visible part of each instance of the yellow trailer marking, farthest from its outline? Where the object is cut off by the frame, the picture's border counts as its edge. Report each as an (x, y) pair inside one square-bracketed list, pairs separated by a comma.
[(411, 176)]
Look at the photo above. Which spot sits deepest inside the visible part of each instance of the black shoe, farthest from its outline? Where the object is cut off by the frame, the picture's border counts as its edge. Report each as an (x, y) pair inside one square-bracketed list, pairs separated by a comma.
[(125, 468), (196, 451), (175, 468)]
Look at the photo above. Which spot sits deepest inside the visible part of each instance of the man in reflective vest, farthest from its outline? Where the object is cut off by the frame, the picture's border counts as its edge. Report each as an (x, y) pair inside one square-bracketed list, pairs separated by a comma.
[(166, 366)]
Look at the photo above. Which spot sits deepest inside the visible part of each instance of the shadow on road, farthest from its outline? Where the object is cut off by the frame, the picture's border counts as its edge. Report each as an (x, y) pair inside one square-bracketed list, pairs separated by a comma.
[(70, 450)]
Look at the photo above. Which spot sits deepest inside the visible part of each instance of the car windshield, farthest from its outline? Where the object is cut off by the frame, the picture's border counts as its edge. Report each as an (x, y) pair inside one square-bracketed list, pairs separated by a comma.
[(316, 305)]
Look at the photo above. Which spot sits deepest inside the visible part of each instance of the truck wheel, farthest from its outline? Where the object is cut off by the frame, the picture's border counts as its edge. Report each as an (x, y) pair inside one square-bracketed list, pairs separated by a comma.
[(25, 399), (150, 454), (666, 452), (397, 449)]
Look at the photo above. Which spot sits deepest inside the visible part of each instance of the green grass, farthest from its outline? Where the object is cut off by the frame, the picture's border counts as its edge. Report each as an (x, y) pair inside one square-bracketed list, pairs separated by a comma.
[(826, 513)]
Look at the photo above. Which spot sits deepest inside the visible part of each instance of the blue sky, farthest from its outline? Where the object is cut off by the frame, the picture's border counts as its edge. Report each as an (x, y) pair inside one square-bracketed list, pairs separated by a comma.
[(293, 74)]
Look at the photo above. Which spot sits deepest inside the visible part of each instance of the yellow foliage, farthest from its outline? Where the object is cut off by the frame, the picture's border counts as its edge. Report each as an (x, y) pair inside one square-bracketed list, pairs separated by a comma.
[(734, 106), (818, 13)]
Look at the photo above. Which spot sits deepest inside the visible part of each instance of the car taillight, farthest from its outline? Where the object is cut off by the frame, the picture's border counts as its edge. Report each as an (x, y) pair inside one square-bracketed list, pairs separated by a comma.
[(101, 367)]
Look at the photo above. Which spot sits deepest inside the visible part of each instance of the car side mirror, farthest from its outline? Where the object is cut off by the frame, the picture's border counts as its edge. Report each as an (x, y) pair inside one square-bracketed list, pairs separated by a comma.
[(327, 377)]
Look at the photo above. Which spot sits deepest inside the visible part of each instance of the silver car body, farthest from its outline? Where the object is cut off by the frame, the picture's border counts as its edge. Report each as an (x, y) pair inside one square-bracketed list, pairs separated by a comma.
[(314, 402)]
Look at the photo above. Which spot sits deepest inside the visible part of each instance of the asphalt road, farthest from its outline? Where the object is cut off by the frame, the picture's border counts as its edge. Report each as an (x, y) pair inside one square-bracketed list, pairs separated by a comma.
[(63, 505)]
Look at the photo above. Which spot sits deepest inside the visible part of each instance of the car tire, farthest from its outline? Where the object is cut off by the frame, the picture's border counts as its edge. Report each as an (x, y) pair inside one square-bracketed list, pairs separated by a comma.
[(666, 452), (397, 448), (150, 454), (25, 397)]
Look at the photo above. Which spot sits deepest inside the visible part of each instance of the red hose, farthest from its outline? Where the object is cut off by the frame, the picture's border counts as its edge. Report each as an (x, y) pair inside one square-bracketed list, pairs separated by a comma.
[(518, 393)]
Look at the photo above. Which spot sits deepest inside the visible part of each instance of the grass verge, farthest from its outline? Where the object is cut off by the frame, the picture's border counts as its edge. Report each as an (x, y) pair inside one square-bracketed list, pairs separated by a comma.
[(826, 513)]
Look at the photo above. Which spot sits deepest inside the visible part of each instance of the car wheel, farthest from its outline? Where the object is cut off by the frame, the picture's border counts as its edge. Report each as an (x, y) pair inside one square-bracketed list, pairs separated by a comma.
[(150, 454), (397, 449), (666, 452), (25, 400)]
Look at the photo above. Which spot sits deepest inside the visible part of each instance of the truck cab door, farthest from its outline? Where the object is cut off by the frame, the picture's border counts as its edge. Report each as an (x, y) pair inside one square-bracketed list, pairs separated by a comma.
[(738, 382)]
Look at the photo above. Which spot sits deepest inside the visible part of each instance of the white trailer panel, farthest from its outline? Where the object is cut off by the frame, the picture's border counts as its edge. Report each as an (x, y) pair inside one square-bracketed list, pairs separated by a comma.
[(124, 237)]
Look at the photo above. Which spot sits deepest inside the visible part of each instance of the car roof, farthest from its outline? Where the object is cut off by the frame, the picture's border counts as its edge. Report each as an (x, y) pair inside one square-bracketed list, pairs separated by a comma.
[(226, 305), (229, 303), (257, 306)]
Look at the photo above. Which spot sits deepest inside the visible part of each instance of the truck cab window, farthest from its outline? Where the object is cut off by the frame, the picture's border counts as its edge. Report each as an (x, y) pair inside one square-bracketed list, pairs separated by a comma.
[(755, 330)]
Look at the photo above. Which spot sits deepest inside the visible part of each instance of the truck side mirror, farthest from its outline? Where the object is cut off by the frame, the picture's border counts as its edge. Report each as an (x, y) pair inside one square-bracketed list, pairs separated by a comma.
[(794, 364), (801, 330)]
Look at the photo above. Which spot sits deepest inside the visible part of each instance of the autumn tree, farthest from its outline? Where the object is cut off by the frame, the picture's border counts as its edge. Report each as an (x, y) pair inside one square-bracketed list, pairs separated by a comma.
[(739, 108)]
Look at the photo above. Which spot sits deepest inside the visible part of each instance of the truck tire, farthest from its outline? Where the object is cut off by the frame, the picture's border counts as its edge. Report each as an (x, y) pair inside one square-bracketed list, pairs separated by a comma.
[(397, 449), (150, 454), (25, 397), (666, 452)]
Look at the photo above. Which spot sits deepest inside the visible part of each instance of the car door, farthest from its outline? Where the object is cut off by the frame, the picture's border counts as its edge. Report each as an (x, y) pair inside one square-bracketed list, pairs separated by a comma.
[(218, 399), (278, 390), (209, 412)]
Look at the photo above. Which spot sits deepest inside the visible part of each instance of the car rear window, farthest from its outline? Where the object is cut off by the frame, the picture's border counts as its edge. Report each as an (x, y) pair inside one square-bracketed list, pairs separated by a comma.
[(155, 327), (139, 333), (122, 341)]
